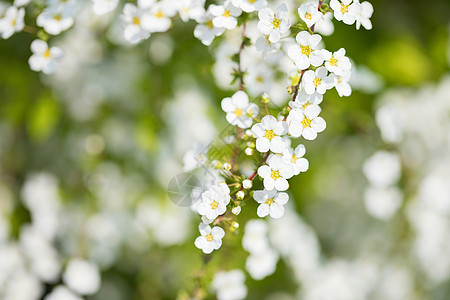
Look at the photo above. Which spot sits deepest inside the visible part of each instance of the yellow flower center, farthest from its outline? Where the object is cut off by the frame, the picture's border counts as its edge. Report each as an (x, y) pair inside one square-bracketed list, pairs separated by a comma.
[(269, 135), (159, 14), (249, 113), (226, 13), (57, 17), (13, 22), (260, 79), (306, 122), (275, 174), (214, 205), (210, 24), (304, 106), (333, 61), (251, 1), (344, 8), (317, 81), (276, 22), (136, 21), (209, 237), (308, 16), (306, 50), (269, 201), (339, 79), (238, 112), (294, 158), (47, 53)]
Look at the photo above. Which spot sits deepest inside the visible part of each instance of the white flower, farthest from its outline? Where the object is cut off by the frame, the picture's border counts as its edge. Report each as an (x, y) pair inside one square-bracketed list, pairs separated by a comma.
[(191, 9), (44, 58), (82, 277), (56, 19), (271, 202), (336, 62), (296, 159), (264, 45), (225, 15), (250, 5), (132, 18), (12, 21), (210, 239), (230, 285), (276, 173), (341, 83), (158, 17), (309, 13), (317, 81), (345, 10), (303, 100), (275, 25), (259, 79), (255, 236), (62, 293), (214, 201), (382, 169), (305, 54), (325, 25), (268, 134), (239, 111), (382, 203), (102, 7), (363, 18), (305, 123), (205, 31), (262, 264), (19, 3)]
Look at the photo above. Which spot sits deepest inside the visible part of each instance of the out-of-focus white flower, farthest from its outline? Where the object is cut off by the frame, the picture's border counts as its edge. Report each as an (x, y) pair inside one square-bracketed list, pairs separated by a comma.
[(255, 236), (275, 174), (305, 54), (340, 82), (62, 293), (309, 13), (382, 203), (132, 19), (19, 3), (23, 286), (264, 45), (304, 100), (158, 17), (205, 31), (262, 264), (306, 123), (295, 158), (225, 15), (230, 285), (56, 19), (345, 10), (82, 277), (250, 5), (210, 239), (191, 9), (268, 134), (239, 111), (102, 7), (317, 81), (363, 18), (271, 202), (259, 79), (44, 58), (382, 169), (274, 24), (12, 21), (215, 201), (336, 62), (325, 25)]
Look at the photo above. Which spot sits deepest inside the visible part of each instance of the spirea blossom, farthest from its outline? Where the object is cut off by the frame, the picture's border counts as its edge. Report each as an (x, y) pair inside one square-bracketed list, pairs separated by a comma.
[(250, 5), (309, 13), (214, 201), (274, 24), (276, 173), (230, 285), (305, 53), (239, 111), (268, 134), (345, 10), (82, 277), (336, 62), (317, 81), (56, 19), (295, 158), (44, 58), (225, 15), (306, 123), (270, 202), (132, 22), (12, 21), (210, 238)]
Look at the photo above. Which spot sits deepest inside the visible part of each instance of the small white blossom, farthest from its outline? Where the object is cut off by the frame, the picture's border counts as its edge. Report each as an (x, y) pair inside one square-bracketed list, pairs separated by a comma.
[(191, 9), (230, 285), (271, 202), (268, 134), (259, 79), (317, 81), (264, 45), (305, 54), (247, 184), (12, 21), (215, 201), (274, 24), (336, 62), (309, 13), (225, 15), (210, 239), (102, 7), (363, 18), (205, 31), (62, 293), (19, 3), (56, 19), (240, 195), (239, 111), (82, 277), (382, 169), (325, 25), (250, 5), (341, 83), (276, 173), (303, 100), (345, 10), (306, 123), (158, 17), (262, 264), (296, 159), (44, 58), (382, 203), (132, 19), (255, 236)]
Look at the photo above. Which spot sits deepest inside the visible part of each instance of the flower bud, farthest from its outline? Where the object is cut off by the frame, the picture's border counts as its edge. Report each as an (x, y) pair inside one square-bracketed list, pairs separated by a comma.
[(240, 195), (226, 167), (247, 184), (249, 151), (236, 210)]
